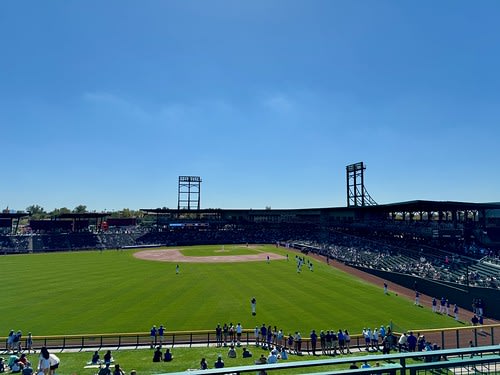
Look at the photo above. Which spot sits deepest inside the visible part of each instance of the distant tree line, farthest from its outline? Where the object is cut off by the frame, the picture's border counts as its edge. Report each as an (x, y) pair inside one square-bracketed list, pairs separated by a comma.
[(38, 212)]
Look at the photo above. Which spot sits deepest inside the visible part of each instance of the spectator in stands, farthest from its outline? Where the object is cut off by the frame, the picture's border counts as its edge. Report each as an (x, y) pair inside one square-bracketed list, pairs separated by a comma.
[(168, 356), (27, 370), (273, 356), (2, 364), (347, 340), (365, 365), (474, 320), (367, 336), (108, 358), (386, 344), (105, 370), (161, 334), (17, 341), (246, 353), (219, 363), (152, 334), (297, 341), (403, 342), (283, 354), (16, 367), (157, 355), (218, 335), (23, 360), (29, 342), (421, 343), (412, 342), (54, 363), (203, 364), (314, 340), (374, 339), (43, 361), (10, 340), (262, 360), (118, 370), (239, 331), (231, 353), (95, 358)]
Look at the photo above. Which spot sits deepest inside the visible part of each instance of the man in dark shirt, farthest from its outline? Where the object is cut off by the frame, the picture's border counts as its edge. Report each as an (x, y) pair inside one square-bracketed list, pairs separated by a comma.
[(219, 363), (314, 340)]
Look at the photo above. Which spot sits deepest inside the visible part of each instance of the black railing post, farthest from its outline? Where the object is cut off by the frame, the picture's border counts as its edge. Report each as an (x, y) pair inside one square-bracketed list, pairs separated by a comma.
[(442, 340), (458, 338), (402, 361)]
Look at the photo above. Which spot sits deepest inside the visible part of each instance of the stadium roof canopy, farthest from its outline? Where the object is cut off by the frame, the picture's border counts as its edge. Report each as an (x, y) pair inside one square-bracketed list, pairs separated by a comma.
[(15, 215), (83, 215), (425, 205), (414, 206)]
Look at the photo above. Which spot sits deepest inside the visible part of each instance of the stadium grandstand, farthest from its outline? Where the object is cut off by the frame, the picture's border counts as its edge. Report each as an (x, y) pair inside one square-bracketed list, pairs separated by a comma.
[(437, 244)]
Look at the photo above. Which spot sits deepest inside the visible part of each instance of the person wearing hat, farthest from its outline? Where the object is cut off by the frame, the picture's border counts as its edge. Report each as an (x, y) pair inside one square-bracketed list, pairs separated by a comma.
[(153, 333)]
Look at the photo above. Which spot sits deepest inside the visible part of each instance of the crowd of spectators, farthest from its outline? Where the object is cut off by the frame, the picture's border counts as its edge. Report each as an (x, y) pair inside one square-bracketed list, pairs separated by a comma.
[(394, 255)]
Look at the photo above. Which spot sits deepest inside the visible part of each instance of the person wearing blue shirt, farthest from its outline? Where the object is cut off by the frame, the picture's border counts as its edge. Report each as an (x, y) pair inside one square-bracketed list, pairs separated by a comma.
[(153, 336), (168, 356), (161, 332)]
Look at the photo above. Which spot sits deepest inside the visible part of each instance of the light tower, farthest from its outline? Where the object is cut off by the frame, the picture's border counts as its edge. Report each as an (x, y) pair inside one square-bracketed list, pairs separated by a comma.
[(357, 195), (189, 193)]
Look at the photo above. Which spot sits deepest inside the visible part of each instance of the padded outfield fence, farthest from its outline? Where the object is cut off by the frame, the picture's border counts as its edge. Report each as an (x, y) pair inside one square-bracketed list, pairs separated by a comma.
[(446, 338)]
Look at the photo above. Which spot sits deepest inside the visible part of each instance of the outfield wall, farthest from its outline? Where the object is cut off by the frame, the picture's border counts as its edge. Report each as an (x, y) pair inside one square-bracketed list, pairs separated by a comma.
[(456, 293)]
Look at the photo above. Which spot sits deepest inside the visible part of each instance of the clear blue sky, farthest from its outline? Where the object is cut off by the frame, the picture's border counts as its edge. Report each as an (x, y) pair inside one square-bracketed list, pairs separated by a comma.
[(106, 103)]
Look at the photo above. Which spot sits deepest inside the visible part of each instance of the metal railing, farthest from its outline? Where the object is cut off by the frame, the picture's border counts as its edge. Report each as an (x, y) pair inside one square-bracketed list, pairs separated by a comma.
[(463, 361), (446, 338)]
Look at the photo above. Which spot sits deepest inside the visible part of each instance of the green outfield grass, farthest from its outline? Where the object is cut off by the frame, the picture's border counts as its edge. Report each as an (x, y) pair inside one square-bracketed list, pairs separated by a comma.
[(111, 291)]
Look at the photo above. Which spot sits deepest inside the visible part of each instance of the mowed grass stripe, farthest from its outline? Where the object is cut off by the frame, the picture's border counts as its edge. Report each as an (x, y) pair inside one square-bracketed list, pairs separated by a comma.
[(112, 291)]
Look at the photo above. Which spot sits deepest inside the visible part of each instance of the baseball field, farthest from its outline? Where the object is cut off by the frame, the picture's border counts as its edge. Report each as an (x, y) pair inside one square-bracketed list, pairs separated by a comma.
[(192, 288)]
